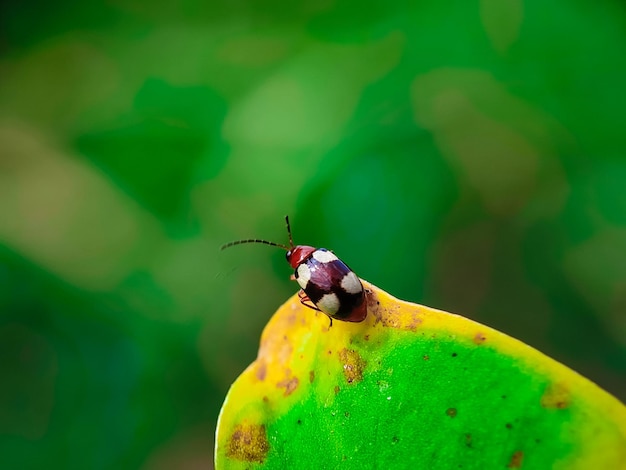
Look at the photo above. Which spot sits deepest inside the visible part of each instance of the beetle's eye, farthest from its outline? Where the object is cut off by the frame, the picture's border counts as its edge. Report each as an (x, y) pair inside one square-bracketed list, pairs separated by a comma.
[(288, 255)]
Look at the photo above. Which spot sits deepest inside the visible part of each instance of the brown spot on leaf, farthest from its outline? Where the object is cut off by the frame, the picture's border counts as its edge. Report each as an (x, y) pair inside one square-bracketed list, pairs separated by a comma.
[(426, 357), (509, 426), (261, 370), (353, 365), (291, 319), (480, 338), (556, 396), (337, 389), (311, 376), (397, 314), (451, 412), (289, 384), (468, 440), (248, 443), (366, 337), (516, 459)]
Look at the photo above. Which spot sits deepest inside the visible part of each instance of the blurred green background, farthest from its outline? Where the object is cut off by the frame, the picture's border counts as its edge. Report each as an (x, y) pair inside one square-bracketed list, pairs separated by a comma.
[(465, 155)]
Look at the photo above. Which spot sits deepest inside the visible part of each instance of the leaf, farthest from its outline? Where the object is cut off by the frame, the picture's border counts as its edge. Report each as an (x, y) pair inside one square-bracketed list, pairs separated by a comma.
[(411, 387)]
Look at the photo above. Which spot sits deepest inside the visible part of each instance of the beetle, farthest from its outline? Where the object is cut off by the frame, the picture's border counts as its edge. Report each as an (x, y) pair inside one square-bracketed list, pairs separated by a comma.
[(327, 284)]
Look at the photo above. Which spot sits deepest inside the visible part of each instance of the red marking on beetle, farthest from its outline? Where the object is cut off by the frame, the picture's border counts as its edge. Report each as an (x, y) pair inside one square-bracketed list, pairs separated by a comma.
[(516, 459), (451, 412), (248, 443)]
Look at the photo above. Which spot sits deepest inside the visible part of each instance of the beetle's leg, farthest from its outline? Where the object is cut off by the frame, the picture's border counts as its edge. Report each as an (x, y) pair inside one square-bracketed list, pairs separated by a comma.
[(304, 300)]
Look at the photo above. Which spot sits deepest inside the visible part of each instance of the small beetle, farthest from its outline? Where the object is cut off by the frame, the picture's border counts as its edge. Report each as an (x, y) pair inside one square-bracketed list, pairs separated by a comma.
[(328, 285)]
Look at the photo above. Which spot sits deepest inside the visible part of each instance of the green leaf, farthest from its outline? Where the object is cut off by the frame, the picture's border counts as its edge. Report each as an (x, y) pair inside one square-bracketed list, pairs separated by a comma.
[(411, 387)]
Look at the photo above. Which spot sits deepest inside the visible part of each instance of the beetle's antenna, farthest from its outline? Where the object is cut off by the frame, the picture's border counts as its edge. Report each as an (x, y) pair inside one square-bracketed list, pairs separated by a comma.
[(289, 231), (254, 240)]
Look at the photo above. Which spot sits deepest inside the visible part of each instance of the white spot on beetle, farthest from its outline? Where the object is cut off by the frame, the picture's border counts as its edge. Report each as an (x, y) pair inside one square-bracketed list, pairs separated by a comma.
[(324, 256), (329, 304), (351, 284), (304, 275)]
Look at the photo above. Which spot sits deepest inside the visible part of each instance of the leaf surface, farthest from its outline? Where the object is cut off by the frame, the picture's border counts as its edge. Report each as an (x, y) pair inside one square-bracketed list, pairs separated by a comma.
[(411, 387)]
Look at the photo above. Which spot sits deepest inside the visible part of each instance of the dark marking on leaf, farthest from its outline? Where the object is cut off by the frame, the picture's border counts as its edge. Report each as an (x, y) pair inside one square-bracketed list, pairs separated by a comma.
[(516, 459), (393, 316), (291, 320), (426, 357), (265, 399), (556, 396), (468, 440), (261, 370), (454, 354), (366, 337), (480, 338), (347, 414), (451, 412), (248, 443), (508, 426), (311, 376), (299, 421), (337, 389), (395, 439), (290, 385), (353, 365)]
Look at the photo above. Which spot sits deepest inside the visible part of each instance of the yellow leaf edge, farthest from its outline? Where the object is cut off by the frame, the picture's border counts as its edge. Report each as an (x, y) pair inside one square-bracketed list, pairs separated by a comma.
[(271, 376)]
